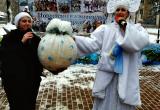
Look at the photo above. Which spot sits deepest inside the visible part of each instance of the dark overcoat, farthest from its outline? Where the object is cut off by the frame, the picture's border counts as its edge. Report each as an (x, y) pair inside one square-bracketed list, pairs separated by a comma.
[(21, 69)]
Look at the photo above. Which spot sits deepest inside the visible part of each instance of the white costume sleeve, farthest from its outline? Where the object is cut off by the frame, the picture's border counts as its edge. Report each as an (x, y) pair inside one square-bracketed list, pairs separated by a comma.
[(136, 38), (90, 44)]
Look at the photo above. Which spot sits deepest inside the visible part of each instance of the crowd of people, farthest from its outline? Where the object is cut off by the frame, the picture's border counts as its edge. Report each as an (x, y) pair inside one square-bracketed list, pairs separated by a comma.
[(116, 85), (68, 6), (89, 27), (46, 5)]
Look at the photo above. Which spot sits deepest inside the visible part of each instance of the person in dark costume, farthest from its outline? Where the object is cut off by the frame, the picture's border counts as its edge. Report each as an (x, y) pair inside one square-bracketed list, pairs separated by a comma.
[(21, 69)]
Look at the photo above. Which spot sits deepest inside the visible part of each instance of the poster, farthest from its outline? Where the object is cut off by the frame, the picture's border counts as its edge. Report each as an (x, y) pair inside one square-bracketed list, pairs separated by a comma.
[(75, 11)]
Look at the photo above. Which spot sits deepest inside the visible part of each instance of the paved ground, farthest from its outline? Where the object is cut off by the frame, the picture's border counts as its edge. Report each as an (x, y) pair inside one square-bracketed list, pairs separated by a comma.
[(78, 96)]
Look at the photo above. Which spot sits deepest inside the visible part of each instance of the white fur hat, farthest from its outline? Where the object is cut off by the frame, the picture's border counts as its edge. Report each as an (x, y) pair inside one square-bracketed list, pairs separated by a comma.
[(122, 3), (131, 5), (19, 16)]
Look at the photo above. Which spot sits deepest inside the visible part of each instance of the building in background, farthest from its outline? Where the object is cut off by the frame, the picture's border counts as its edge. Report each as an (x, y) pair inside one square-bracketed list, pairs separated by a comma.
[(148, 14), (14, 7)]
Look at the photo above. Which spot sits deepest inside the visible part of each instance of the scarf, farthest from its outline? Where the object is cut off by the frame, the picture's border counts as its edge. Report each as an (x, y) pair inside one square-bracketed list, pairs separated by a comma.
[(117, 54)]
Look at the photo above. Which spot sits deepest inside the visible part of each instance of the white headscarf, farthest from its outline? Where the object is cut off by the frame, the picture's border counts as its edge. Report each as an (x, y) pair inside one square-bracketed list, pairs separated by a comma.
[(19, 16)]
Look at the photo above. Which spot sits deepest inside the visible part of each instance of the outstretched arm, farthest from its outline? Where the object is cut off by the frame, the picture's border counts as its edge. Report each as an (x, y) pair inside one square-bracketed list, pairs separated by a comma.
[(90, 44)]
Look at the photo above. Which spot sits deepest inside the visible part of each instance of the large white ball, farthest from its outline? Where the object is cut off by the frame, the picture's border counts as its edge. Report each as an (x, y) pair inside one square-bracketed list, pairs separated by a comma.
[(57, 51)]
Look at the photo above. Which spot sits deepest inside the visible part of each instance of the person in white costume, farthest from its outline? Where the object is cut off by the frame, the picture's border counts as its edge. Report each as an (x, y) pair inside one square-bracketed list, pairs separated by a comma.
[(116, 85)]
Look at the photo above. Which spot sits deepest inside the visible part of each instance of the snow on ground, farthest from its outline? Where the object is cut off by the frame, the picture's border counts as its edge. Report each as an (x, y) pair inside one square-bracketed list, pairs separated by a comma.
[(74, 72), (152, 38), (153, 33), (154, 68), (77, 71), (152, 30)]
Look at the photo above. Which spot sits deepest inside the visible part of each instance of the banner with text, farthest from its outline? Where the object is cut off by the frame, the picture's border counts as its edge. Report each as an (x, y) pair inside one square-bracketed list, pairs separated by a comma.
[(75, 11)]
